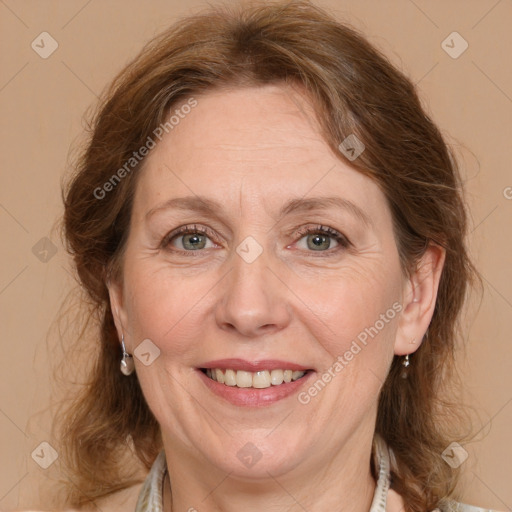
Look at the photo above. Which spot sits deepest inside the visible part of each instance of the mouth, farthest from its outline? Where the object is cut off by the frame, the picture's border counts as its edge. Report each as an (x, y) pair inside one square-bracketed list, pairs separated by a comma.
[(253, 384), (261, 379)]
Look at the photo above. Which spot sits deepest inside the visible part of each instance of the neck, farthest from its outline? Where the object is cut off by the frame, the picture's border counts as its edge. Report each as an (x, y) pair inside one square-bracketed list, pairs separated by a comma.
[(343, 484)]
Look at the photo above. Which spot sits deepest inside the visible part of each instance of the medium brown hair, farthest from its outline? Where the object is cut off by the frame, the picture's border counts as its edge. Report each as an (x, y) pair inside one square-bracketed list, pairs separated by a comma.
[(354, 90)]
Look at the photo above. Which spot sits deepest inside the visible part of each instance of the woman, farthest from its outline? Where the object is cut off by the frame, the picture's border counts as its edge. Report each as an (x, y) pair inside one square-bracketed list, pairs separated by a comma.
[(272, 230)]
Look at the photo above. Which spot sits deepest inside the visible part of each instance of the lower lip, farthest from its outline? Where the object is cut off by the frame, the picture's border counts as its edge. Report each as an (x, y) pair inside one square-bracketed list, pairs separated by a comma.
[(252, 397)]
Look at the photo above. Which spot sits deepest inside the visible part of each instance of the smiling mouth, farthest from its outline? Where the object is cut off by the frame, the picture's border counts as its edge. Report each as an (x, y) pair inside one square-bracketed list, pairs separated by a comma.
[(255, 380)]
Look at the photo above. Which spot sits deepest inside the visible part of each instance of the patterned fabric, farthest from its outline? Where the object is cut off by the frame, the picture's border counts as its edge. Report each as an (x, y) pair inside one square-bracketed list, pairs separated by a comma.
[(150, 497)]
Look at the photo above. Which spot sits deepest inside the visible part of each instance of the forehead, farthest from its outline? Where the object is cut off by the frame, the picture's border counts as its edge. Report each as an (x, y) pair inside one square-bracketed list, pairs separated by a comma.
[(256, 144), (266, 123)]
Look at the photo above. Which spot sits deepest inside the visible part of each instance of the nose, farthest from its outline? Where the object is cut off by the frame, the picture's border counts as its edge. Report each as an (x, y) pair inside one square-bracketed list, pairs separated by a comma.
[(253, 298)]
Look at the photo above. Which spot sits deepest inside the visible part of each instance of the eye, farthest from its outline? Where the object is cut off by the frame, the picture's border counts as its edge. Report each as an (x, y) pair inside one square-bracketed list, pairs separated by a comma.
[(194, 238), (189, 238), (320, 238)]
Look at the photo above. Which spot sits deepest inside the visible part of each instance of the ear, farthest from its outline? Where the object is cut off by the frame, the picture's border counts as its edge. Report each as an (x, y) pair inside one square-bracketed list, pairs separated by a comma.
[(419, 300), (115, 291)]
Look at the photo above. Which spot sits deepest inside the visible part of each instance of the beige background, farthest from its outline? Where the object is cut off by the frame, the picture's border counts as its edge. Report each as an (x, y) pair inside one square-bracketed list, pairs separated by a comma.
[(42, 103)]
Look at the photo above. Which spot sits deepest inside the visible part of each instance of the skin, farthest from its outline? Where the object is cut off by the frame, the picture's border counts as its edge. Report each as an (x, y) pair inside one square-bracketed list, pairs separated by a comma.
[(252, 149)]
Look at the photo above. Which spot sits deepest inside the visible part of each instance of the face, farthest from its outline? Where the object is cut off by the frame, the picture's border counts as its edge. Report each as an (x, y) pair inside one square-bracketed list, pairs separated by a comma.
[(253, 247)]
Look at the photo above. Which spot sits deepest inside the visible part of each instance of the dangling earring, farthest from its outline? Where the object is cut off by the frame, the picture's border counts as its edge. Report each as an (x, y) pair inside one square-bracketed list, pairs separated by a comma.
[(127, 364), (405, 364)]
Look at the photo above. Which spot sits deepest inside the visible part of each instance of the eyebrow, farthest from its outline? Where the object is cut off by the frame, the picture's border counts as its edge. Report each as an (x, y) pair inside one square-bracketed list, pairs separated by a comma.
[(201, 204)]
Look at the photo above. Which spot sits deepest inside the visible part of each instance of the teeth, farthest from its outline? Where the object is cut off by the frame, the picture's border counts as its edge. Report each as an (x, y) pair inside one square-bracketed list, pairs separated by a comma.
[(276, 377), (243, 379), (219, 376), (259, 380), (230, 378)]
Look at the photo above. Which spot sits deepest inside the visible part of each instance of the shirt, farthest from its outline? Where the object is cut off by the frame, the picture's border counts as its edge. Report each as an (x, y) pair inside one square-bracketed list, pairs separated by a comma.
[(150, 497)]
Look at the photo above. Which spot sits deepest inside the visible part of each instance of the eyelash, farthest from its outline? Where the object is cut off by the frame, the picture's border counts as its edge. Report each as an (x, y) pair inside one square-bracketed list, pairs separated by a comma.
[(325, 230), (319, 229)]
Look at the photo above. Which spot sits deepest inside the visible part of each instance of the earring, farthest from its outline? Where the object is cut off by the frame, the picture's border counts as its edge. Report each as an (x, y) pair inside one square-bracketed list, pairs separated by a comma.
[(127, 364), (405, 364)]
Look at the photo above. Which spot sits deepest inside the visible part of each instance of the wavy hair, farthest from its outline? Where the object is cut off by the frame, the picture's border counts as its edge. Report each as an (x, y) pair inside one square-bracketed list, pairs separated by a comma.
[(354, 89)]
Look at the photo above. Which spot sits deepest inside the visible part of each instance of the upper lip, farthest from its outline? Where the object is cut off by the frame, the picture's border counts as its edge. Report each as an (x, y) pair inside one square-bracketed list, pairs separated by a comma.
[(254, 366)]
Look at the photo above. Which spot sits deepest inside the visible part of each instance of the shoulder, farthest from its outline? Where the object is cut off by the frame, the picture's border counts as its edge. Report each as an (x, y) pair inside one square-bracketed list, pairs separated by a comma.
[(56, 510), (451, 505), (396, 503), (122, 500)]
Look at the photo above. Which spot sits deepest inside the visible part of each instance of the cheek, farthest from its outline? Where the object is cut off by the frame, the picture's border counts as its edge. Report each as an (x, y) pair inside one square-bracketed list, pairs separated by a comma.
[(161, 307), (359, 308)]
